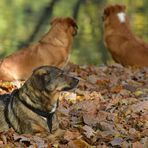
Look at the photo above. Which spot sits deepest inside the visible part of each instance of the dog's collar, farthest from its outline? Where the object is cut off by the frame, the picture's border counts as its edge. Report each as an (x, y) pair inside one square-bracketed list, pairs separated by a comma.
[(47, 115), (36, 110)]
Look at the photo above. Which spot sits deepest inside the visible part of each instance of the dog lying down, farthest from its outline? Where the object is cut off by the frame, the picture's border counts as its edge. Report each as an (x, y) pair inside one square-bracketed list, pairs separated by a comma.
[(125, 47), (32, 108), (52, 49)]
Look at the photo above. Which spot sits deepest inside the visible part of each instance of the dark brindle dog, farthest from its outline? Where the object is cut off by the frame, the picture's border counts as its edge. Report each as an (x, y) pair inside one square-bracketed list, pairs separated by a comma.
[(31, 109)]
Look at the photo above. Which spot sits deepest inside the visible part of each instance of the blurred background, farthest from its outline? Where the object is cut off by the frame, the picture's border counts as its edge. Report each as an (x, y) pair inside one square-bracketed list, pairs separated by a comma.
[(23, 22)]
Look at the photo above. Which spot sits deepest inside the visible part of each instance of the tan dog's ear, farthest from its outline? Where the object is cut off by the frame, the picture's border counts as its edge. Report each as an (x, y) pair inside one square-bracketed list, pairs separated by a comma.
[(72, 23), (105, 13)]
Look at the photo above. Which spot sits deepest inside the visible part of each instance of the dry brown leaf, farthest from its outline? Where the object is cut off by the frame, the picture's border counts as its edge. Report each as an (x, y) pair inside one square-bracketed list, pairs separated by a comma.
[(141, 106), (93, 118), (116, 142), (79, 143), (88, 131), (137, 145), (116, 89), (108, 109), (71, 135)]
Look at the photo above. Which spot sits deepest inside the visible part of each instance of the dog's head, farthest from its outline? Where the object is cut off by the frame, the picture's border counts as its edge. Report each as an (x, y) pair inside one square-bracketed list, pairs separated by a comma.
[(52, 79), (114, 15), (68, 24), (44, 87)]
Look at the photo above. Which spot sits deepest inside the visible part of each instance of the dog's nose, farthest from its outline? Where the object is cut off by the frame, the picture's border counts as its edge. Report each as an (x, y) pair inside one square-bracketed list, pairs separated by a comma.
[(73, 83)]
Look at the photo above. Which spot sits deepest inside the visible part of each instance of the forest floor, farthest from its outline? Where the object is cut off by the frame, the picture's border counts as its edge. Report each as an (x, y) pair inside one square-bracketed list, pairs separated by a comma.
[(109, 108)]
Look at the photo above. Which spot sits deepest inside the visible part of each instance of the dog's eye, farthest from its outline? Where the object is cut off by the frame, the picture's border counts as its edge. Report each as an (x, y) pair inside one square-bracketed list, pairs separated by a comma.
[(59, 75)]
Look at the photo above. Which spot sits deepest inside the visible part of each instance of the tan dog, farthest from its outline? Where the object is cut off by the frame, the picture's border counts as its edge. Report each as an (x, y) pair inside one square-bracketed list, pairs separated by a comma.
[(124, 46), (53, 49)]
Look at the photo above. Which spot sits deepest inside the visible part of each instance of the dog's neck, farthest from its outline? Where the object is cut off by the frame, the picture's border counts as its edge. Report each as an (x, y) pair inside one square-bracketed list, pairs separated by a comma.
[(48, 116), (31, 97)]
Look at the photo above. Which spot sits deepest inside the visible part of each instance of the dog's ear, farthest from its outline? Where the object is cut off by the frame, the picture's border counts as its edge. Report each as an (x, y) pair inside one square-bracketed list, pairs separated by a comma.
[(38, 78), (72, 24), (38, 82), (106, 12)]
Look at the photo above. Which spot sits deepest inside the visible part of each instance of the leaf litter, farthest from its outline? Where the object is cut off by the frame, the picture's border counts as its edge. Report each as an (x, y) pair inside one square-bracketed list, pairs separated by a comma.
[(108, 109)]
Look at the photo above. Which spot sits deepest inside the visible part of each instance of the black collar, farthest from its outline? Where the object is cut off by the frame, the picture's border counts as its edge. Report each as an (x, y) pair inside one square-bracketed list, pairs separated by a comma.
[(47, 115)]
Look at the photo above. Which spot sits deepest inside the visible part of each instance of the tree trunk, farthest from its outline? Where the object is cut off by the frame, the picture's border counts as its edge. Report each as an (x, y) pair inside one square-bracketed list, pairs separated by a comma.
[(76, 9), (47, 13)]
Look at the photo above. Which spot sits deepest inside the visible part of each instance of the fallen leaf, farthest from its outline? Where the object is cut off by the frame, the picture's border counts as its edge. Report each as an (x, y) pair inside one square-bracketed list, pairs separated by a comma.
[(79, 143), (88, 131), (71, 135), (116, 142), (137, 145)]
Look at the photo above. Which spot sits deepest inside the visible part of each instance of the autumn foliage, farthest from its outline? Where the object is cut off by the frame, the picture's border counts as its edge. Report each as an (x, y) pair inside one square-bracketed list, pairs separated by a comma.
[(108, 109)]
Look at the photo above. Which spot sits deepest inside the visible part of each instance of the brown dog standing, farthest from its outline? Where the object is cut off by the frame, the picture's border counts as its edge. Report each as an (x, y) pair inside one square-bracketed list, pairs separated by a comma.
[(124, 46), (53, 49)]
